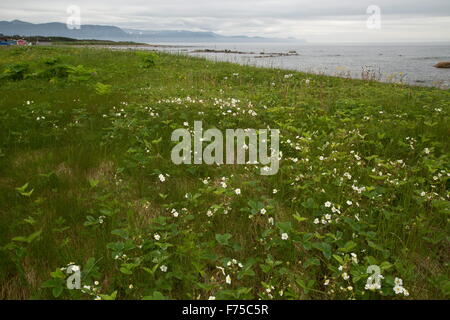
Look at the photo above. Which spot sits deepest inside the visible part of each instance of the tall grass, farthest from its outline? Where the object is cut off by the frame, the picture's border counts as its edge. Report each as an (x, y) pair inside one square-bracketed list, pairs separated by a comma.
[(363, 181)]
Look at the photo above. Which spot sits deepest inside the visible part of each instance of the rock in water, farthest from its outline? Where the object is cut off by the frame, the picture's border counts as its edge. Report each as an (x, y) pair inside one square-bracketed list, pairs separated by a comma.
[(442, 65)]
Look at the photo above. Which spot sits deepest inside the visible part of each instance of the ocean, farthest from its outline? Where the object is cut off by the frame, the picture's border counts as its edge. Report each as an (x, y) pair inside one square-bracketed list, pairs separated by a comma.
[(411, 64)]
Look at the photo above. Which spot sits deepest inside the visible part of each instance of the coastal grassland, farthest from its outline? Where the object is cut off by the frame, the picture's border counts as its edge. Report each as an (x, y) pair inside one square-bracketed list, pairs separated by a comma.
[(86, 178)]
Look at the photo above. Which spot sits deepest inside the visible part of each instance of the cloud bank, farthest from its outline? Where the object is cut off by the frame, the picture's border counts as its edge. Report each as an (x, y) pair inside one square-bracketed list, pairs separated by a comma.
[(315, 21)]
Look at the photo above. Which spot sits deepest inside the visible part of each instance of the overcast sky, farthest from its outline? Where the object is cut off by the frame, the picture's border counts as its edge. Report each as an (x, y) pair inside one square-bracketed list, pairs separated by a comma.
[(313, 20)]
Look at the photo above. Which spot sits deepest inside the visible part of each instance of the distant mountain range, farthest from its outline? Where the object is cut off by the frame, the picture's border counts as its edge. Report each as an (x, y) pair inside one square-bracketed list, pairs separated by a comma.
[(57, 29)]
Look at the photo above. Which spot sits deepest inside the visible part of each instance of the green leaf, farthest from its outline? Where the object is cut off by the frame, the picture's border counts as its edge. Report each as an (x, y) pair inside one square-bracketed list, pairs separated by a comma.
[(284, 226), (57, 291), (310, 204), (22, 190), (126, 270), (102, 89), (223, 238), (57, 274), (155, 296), (311, 262), (385, 265), (374, 245), (28, 239), (52, 283), (349, 246), (324, 247), (379, 178), (157, 141), (299, 218), (121, 233), (93, 183), (338, 259), (112, 296)]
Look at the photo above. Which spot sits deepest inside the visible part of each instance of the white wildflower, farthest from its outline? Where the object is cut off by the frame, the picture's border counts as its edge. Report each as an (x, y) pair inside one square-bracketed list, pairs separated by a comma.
[(398, 282)]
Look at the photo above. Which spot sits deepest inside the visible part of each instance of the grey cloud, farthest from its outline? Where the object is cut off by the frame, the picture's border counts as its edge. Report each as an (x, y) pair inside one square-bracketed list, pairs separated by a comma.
[(253, 17)]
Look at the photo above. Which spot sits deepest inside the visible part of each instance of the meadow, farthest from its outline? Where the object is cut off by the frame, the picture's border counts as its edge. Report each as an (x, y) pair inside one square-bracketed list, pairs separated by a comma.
[(87, 181)]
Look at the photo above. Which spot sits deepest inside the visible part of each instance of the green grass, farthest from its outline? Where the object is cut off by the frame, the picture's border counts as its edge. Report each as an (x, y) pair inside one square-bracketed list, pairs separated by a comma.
[(85, 134), (98, 43)]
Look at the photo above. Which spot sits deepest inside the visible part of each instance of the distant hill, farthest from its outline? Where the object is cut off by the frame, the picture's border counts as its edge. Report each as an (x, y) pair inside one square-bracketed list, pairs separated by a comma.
[(57, 29), (191, 36)]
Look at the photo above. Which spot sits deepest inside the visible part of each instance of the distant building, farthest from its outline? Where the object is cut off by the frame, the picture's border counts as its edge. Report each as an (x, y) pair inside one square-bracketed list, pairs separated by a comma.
[(6, 42), (3, 41)]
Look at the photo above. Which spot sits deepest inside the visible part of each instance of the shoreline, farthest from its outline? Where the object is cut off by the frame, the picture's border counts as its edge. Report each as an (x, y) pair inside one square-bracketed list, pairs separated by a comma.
[(197, 53)]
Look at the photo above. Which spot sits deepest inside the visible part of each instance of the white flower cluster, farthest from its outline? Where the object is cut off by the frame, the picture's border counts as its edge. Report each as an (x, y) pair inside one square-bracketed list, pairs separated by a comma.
[(359, 190), (223, 182), (231, 107), (71, 266), (233, 265), (295, 145), (175, 213), (119, 113), (163, 268), (411, 142), (181, 101), (270, 289), (152, 112), (328, 218), (215, 208), (398, 288), (162, 177), (372, 286), (123, 257)]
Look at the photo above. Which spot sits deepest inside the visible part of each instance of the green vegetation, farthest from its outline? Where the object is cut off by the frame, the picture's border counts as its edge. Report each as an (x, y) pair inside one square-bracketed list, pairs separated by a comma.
[(86, 179), (75, 42), (63, 41)]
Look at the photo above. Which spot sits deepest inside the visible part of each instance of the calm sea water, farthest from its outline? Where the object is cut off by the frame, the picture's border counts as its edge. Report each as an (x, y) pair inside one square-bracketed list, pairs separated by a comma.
[(412, 64)]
